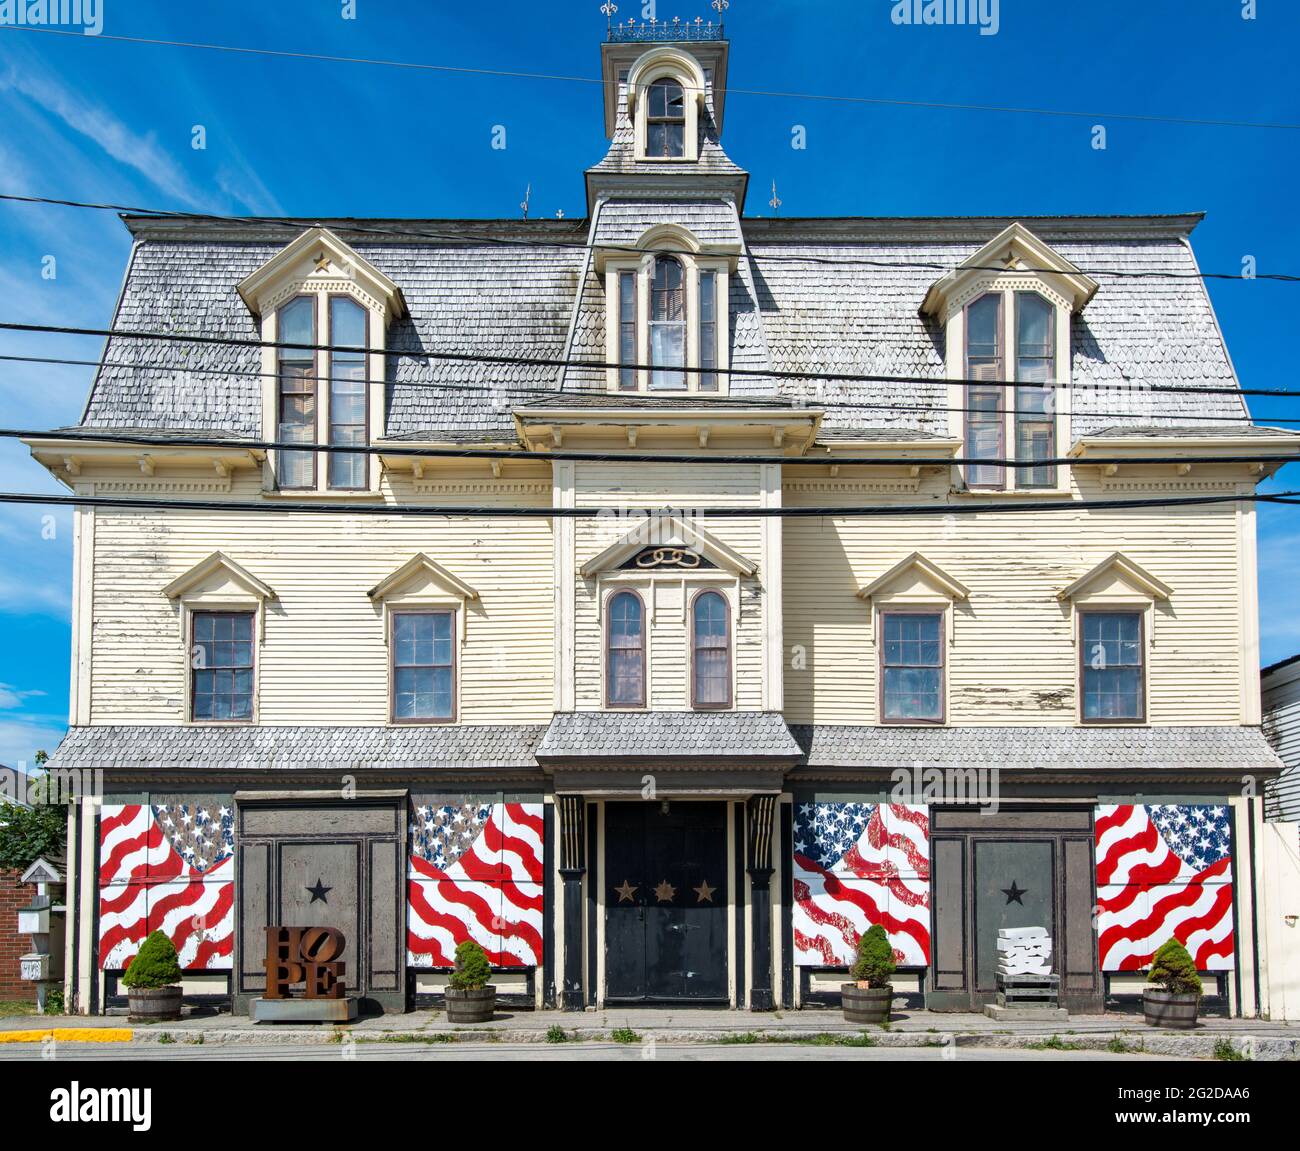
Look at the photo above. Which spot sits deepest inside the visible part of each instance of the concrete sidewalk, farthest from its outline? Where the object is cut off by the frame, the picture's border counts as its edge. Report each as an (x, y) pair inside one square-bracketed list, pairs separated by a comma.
[(1256, 1039)]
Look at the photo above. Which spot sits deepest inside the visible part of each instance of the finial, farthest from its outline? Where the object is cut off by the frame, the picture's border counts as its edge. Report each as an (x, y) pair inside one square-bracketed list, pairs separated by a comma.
[(528, 195), (609, 8), (721, 6), (559, 213), (775, 201)]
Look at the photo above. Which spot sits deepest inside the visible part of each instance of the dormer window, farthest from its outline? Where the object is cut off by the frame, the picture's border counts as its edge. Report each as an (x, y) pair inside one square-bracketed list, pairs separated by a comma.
[(666, 120), (333, 307), (666, 312), (667, 325), (1006, 312), (1029, 424)]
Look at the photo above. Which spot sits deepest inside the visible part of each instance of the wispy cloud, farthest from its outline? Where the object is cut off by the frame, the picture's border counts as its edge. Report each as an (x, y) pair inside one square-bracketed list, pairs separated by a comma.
[(11, 696), (22, 737)]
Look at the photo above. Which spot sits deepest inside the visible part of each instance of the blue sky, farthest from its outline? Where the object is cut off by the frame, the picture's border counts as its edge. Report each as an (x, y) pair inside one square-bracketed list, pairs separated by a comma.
[(87, 118)]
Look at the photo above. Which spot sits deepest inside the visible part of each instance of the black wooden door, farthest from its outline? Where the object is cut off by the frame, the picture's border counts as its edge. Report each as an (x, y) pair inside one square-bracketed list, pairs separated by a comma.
[(666, 901)]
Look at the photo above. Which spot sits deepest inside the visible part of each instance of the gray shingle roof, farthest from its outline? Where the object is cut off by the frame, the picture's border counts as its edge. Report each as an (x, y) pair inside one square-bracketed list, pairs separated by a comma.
[(811, 296), (1038, 748), (668, 734), (298, 748)]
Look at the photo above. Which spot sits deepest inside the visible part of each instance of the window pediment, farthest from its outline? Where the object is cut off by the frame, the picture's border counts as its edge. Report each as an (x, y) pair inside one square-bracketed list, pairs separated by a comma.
[(914, 576), (1015, 258), (219, 582), (670, 535), (1116, 578), (319, 261), (422, 577)]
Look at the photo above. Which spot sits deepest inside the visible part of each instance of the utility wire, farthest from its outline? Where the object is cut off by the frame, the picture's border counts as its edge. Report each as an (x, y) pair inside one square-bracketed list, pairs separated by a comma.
[(727, 512), (522, 75), (668, 399), (299, 224), (603, 365), (622, 457)]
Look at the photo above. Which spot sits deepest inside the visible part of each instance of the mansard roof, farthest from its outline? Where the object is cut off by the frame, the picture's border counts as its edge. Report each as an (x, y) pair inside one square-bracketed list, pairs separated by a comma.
[(829, 295)]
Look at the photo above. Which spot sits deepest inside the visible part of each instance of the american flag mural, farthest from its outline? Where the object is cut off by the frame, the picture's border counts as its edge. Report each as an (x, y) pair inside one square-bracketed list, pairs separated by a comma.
[(857, 864), (475, 873), (1164, 871), (170, 868)]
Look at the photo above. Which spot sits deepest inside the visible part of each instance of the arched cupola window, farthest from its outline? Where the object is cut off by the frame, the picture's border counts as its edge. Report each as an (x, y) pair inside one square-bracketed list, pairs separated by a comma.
[(666, 120)]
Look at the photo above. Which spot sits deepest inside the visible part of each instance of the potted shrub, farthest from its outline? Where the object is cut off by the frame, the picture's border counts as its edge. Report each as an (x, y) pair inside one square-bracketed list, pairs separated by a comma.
[(153, 981), (1176, 992), (469, 997), (868, 998)]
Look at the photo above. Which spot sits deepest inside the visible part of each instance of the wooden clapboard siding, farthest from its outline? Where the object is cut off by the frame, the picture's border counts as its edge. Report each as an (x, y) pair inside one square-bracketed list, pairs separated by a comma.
[(324, 659), (633, 491), (1282, 726), (1013, 659)]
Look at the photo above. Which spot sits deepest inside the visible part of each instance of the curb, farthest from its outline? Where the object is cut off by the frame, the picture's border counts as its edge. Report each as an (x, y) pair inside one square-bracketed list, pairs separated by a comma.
[(1256, 1048), (70, 1035)]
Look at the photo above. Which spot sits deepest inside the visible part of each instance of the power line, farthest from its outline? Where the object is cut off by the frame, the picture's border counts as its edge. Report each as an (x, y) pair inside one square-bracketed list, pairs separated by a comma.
[(669, 400), (622, 457), (727, 512), (522, 75), (603, 365), (298, 224)]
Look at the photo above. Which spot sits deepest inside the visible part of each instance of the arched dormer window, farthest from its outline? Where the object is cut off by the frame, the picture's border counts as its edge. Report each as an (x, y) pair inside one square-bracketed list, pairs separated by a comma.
[(625, 651), (667, 316), (710, 651), (667, 324), (666, 120)]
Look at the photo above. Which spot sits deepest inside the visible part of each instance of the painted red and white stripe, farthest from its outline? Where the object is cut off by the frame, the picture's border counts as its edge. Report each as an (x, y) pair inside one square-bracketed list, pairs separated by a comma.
[(855, 865), (1164, 871), (476, 873), (168, 868)]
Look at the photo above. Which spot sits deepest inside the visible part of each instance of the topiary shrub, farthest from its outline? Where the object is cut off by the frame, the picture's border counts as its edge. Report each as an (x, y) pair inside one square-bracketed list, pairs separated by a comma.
[(1174, 970), (875, 957), (472, 968), (155, 964)]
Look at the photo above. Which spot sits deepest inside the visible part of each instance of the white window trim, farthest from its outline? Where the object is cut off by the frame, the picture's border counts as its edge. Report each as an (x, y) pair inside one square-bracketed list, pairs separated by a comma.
[(660, 63), (729, 589), (644, 587), (1008, 284)]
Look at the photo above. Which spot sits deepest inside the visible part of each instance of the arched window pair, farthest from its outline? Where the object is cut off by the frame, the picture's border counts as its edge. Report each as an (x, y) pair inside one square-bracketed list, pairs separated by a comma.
[(625, 648)]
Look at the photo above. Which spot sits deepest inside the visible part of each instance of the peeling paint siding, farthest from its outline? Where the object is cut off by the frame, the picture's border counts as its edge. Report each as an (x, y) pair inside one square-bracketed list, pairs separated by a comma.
[(1013, 659), (324, 659)]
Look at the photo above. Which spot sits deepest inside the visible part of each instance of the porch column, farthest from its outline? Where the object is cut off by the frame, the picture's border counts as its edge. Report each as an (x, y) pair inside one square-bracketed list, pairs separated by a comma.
[(759, 814), (570, 810)]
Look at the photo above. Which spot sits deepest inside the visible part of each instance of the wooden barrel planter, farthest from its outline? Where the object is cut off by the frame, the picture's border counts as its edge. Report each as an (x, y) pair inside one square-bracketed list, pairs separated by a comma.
[(153, 1004), (476, 1006), (1165, 1009), (865, 1004)]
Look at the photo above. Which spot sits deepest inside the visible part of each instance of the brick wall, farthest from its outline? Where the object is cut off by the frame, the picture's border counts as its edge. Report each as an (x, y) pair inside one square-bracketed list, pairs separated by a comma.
[(13, 895)]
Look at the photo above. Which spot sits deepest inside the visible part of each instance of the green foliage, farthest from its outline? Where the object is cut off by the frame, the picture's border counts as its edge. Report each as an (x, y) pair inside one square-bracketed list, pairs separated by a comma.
[(54, 1001), (875, 957), (624, 1035), (472, 968), (1174, 970), (1228, 1052), (154, 965), (27, 833), (556, 1034)]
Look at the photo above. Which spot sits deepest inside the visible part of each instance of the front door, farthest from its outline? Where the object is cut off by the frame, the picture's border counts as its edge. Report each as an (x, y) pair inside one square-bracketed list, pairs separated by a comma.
[(666, 902)]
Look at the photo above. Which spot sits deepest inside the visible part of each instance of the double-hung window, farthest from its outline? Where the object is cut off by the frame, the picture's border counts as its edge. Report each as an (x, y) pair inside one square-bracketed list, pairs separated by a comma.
[(710, 651), (984, 415), (625, 651), (296, 423), (1111, 670), (424, 666), (221, 666), (1035, 396), (667, 325), (666, 121), (911, 667), (347, 412)]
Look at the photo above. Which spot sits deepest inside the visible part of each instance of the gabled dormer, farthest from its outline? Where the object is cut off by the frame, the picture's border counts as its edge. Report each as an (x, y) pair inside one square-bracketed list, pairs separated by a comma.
[(1006, 313), (318, 291)]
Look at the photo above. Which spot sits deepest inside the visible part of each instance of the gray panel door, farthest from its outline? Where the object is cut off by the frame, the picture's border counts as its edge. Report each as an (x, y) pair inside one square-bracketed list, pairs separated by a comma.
[(1015, 886), (319, 888)]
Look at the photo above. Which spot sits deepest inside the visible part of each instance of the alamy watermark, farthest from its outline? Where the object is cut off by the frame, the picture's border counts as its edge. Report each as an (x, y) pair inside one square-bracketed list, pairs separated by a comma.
[(982, 14), (88, 15)]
